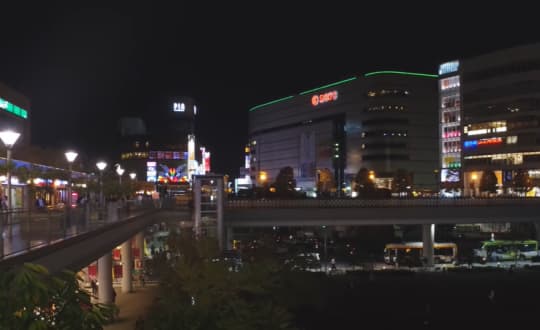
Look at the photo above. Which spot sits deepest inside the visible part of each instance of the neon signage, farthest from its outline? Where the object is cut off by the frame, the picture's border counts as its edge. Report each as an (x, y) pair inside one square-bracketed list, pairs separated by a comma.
[(324, 98), (494, 140), (482, 142)]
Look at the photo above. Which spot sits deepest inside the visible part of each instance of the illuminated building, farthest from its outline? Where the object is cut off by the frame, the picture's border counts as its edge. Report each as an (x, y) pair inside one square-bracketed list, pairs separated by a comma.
[(15, 113), (490, 121), (161, 148), (382, 121)]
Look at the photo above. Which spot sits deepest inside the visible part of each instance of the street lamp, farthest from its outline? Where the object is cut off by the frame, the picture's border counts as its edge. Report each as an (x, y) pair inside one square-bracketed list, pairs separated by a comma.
[(119, 171), (9, 138), (70, 156), (132, 175), (101, 165)]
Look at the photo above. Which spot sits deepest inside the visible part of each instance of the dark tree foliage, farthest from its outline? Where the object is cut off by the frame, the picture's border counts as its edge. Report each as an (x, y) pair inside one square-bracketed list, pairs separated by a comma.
[(31, 298), (402, 181), (522, 181), (364, 185), (488, 182), (285, 182)]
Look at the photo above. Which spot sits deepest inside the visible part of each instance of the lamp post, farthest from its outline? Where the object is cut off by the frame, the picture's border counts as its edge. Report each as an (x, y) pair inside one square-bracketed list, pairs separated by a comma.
[(70, 156), (119, 171), (101, 165), (9, 138)]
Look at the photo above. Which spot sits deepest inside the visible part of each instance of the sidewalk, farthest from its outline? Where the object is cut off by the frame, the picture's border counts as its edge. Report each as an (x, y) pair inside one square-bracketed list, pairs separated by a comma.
[(132, 305)]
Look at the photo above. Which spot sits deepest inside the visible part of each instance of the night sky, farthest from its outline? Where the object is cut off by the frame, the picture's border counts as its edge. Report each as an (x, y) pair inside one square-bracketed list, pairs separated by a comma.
[(83, 68)]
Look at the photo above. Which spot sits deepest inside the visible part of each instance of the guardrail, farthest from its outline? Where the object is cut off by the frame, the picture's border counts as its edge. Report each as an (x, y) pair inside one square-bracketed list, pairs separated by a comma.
[(25, 230), (362, 203)]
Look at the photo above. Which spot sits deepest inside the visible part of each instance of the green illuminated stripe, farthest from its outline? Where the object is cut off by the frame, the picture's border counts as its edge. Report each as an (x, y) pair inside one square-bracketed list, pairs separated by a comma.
[(329, 85), (12, 108), (369, 74), (271, 102)]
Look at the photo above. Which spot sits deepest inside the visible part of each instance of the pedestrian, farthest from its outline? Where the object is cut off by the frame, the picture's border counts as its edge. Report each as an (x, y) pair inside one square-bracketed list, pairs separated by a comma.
[(333, 263), (113, 295), (94, 287), (141, 278)]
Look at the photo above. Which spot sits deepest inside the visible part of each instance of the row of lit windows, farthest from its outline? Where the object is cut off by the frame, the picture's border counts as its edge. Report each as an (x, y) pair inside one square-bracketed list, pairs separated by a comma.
[(450, 132), (387, 92), (138, 144), (134, 155), (450, 82), (378, 108), (452, 101), (450, 117), (399, 133)]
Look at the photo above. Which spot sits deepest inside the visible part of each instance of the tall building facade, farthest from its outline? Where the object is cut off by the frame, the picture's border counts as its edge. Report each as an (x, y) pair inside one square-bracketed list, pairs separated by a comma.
[(490, 123), (382, 121), (162, 149)]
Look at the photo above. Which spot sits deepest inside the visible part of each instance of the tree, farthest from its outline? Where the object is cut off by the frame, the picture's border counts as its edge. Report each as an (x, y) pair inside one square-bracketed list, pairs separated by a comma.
[(285, 182), (521, 181), (198, 291), (402, 182), (325, 183), (364, 184), (488, 182), (32, 298)]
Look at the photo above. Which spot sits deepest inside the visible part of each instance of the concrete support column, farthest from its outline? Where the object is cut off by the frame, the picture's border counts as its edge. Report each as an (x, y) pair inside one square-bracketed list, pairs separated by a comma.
[(220, 201), (537, 227), (127, 261), (197, 206), (112, 211), (105, 288), (139, 243), (229, 236), (428, 237)]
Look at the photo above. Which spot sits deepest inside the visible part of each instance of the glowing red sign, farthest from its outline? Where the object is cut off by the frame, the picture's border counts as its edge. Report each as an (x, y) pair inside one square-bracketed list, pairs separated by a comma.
[(323, 98), (494, 140)]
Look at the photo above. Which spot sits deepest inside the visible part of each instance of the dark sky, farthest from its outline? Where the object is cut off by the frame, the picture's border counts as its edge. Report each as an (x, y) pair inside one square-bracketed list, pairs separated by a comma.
[(83, 68)]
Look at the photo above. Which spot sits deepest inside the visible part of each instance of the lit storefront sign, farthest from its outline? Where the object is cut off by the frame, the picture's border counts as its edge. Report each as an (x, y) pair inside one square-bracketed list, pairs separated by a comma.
[(324, 98), (448, 67), (151, 171), (494, 140), (179, 107), (482, 142), (13, 109)]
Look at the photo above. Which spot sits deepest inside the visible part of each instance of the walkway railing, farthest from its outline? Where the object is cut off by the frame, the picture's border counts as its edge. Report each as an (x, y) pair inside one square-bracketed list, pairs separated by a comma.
[(362, 203), (25, 230)]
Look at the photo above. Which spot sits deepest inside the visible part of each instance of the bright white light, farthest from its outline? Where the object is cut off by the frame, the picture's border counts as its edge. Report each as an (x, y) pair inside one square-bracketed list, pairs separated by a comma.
[(132, 175), (71, 156), (101, 165), (9, 138), (120, 170)]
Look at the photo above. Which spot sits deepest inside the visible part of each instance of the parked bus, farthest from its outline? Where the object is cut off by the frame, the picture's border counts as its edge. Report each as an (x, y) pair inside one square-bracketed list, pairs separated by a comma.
[(410, 253), (506, 250)]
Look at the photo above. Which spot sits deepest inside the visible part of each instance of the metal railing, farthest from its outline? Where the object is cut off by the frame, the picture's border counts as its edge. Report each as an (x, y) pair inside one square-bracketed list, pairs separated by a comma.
[(25, 230), (362, 203)]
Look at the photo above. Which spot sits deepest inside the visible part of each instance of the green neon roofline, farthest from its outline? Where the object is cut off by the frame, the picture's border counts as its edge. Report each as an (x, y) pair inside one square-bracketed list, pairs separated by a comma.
[(375, 73), (271, 102), (329, 85)]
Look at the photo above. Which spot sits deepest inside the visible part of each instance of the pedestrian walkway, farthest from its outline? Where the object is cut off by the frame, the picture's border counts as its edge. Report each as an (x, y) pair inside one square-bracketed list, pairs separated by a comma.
[(133, 305)]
